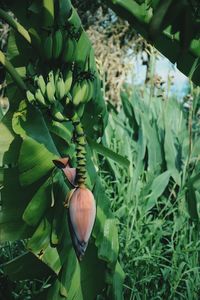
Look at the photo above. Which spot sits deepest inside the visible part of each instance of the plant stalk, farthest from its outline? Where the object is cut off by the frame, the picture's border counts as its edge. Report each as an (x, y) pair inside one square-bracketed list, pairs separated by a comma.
[(15, 25), (80, 150), (12, 71)]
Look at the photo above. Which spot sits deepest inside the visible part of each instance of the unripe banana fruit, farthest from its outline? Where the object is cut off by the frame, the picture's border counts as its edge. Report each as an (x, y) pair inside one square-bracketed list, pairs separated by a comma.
[(90, 90), (51, 79), (41, 84), (39, 97), (69, 50), (48, 47), (50, 91), (68, 81), (60, 88), (30, 97), (79, 92), (57, 44)]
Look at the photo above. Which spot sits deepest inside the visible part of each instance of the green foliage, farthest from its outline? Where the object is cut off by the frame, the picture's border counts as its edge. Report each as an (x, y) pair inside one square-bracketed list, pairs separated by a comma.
[(172, 26), (157, 203), (32, 190)]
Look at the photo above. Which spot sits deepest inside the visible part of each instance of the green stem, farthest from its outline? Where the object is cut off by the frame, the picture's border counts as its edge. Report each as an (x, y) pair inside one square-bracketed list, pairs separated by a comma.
[(11, 70), (80, 150), (14, 24)]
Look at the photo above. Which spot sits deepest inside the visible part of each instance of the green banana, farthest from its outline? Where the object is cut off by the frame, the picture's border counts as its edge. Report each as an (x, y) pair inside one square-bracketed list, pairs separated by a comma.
[(69, 50), (60, 88), (41, 84), (50, 91), (48, 46), (51, 79), (57, 44), (83, 49), (39, 97), (30, 97), (68, 81), (76, 93), (79, 92)]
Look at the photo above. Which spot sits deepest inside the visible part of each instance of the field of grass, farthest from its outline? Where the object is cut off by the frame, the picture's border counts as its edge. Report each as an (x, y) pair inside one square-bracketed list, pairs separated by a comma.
[(157, 210)]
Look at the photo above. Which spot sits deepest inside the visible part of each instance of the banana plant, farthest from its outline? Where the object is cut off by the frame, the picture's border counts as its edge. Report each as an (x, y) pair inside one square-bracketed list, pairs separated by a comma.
[(171, 26), (50, 190)]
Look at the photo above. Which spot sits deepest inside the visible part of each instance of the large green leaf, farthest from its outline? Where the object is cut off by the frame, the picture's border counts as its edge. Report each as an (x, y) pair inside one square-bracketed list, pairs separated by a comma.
[(35, 161), (108, 153), (118, 279), (36, 208)]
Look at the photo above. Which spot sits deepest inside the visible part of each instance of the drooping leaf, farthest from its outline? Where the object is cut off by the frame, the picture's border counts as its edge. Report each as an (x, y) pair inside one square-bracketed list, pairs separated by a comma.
[(35, 161), (108, 248), (158, 186), (108, 153), (38, 204), (118, 279)]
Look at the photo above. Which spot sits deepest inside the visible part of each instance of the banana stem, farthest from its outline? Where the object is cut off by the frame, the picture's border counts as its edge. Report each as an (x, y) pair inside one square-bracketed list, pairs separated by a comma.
[(15, 25), (80, 150), (11, 70)]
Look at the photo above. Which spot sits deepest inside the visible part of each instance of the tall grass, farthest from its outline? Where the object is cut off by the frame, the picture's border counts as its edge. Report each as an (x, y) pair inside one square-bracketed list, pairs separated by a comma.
[(157, 210)]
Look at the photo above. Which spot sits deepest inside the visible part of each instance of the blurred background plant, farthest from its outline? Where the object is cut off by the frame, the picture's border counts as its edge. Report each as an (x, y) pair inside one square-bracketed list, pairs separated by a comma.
[(158, 203)]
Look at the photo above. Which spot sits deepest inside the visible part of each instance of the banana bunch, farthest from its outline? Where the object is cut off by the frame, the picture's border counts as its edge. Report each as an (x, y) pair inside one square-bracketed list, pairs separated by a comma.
[(83, 91), (53, 45), (54, 89)]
